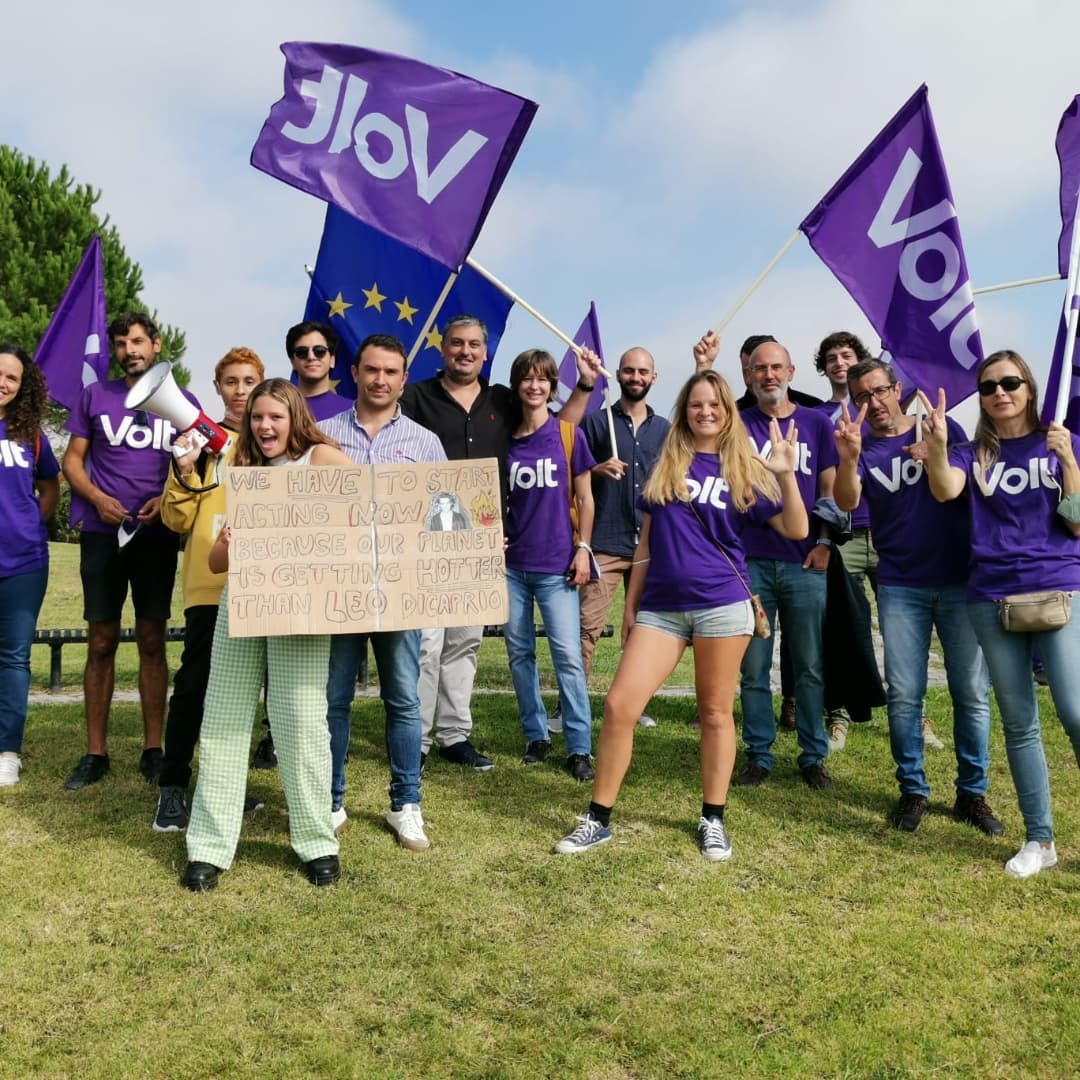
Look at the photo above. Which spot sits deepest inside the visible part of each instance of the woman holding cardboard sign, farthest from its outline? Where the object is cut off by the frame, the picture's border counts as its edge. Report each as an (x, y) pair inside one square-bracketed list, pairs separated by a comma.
[(277, 431)]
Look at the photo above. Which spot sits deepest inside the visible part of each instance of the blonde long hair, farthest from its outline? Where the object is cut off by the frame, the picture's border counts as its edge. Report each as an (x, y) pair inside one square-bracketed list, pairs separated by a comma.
[(303, 433), (746, 476)]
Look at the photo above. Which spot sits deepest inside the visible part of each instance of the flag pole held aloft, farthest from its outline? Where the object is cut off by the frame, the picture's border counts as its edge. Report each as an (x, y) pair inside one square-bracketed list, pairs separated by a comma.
[(757, 281)]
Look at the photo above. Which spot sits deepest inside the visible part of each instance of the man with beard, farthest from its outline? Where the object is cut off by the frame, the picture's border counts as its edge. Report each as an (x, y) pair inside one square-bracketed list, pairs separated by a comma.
[(116, 462), (617, 482), (473, 418), (789, 576)]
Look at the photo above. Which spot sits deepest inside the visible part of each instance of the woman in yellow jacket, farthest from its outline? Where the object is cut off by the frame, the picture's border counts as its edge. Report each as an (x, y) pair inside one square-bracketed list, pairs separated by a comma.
[(194, 504)]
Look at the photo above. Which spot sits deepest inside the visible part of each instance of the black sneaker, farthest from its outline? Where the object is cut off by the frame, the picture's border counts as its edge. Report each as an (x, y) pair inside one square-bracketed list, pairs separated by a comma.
[(423, 762), (265, 756), (975, 810), (579, 767), (464, 753), (171, 813), (909, 812), (91, 768), (754, 775), (150, 764), (536, 751), (251, 804), (817, 778)]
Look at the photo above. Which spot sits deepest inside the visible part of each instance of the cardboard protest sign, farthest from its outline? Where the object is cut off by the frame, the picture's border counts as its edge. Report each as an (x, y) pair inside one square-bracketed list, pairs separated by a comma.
[(364, 549)]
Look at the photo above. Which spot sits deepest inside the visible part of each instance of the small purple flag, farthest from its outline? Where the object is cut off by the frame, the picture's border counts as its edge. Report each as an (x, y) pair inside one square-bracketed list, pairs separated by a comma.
[(888, 230), (416, 151), (74, 350), (1067, 145), (587, 336), (1072, 410)]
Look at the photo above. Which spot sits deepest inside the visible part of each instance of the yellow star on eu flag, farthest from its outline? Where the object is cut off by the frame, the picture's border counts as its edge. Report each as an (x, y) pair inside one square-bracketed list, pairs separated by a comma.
[(374, 297), (433, 339), (405, 311), (338, 306)]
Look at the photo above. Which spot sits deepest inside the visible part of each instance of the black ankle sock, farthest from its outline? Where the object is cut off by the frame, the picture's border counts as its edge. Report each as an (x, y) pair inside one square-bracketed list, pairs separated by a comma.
[(600, 813), (709, 810)]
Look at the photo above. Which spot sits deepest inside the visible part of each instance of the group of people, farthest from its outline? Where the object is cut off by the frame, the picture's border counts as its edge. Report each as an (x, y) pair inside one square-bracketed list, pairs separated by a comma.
[(731, 506)]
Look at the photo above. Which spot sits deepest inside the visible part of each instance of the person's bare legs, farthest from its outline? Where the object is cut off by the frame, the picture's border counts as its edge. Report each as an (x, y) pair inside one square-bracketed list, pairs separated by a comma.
[(153, 678), (649, 658), (716, 679), (98, 678)]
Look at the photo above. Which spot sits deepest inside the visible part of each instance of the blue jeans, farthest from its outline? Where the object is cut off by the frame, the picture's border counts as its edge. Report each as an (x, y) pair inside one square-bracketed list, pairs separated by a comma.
[(1009, 658), (397, 658), (907, 616), (20, 601), (559, 610), (799, 596)]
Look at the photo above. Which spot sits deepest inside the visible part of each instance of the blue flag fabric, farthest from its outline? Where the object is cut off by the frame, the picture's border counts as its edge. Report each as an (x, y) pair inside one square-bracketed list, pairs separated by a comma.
[(74, 350), (588, 336), (367, 283)]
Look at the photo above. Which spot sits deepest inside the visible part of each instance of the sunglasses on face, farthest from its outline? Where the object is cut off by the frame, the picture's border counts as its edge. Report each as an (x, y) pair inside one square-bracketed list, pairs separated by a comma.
[(879, 393), (318, 351), (1010, 384)]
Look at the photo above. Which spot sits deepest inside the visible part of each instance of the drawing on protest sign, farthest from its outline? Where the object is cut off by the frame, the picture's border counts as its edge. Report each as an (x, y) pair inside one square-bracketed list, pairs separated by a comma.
[(365, 549)]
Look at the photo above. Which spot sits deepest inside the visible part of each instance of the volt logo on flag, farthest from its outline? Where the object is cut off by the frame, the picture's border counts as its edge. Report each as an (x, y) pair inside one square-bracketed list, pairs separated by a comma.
[(418, 152), (889, 231)]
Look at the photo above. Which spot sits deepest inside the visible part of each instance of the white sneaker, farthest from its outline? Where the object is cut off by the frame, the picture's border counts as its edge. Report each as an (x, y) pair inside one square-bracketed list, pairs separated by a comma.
[(929, 736), (837, 737), (646, 721), (408, 824), (10, 764), (339, 819), (1030, 859)]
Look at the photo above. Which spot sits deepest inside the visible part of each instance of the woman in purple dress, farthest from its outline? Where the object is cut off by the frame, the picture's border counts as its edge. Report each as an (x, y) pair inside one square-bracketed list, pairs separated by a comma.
[(689, 585), (1024, 486), (29, 489)]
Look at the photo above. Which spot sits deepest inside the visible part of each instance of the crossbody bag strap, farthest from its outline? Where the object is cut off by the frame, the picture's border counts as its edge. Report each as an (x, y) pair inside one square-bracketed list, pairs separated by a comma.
[(719, 547)]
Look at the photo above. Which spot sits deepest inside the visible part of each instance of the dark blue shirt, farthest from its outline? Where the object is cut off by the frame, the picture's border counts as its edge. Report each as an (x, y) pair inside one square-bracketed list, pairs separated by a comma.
[(618, 515)]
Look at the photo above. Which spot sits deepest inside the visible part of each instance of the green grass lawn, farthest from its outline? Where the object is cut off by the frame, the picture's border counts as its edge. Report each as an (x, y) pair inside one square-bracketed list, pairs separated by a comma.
[(831, 945)]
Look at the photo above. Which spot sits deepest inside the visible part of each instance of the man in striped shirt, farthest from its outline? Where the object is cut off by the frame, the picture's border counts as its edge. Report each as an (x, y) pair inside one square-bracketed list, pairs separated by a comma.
[(376, 432)]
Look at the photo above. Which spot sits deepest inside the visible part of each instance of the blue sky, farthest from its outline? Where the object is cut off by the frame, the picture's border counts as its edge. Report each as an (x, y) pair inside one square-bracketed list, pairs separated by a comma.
[(675, 150)]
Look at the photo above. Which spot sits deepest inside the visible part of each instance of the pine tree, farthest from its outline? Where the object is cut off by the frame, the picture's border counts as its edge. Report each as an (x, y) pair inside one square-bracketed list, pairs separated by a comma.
[(46, 223)]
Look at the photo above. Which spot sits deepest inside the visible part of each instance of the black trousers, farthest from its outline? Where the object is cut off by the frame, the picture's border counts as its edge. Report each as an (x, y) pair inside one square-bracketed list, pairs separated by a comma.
[(189, 692)]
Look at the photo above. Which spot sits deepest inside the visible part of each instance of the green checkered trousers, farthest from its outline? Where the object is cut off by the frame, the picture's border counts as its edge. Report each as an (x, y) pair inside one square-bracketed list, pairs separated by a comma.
[(296, 701)]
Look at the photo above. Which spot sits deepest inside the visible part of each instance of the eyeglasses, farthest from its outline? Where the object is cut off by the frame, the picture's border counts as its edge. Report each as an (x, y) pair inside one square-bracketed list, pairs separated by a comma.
[(1010, 384), (318, 351), (879, 393)]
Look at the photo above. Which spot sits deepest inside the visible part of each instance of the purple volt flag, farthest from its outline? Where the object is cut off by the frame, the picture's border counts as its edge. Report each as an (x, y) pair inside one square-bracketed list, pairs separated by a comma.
[(1067, 144), (74, 350), (888, 230), (1072, 409), (418, 152), (587, 336)]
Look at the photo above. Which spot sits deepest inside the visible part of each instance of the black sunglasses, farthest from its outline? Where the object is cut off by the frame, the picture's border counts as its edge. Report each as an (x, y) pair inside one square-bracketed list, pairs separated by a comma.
[(318, 351), (1010, 384)]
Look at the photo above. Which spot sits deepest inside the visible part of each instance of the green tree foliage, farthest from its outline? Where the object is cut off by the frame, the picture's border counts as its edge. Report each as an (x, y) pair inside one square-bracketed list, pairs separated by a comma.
[(46, 223)]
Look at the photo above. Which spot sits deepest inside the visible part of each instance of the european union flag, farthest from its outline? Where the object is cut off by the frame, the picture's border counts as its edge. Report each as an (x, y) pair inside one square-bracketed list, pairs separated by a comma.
[(367, 283)]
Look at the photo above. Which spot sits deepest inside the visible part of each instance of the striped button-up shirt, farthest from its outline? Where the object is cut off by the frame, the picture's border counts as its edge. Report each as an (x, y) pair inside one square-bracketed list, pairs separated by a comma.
[(400, 441)]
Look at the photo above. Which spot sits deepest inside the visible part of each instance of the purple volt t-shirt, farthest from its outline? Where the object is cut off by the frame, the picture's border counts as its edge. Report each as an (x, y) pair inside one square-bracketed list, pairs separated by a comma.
[(921, 543), (538, 530), (1018, 541), (26, 540), (127, 460), (686, 572), (323, 406), (816, 452)]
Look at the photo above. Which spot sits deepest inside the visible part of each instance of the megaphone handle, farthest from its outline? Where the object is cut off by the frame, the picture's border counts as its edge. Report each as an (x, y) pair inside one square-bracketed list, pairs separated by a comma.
[(196, 439)]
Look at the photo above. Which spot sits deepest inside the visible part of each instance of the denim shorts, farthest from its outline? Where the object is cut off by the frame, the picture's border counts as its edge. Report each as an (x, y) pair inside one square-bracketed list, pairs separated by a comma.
[(731, 620)]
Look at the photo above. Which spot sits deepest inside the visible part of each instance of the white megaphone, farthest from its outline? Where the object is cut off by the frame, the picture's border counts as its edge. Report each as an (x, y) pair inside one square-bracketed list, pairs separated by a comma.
[(158, 392)]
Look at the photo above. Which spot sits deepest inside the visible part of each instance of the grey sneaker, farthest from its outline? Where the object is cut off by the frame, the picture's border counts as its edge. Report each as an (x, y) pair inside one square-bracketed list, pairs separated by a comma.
[(555, 721), (171, 813), (589, 834), (713, 839), (644, 720)]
